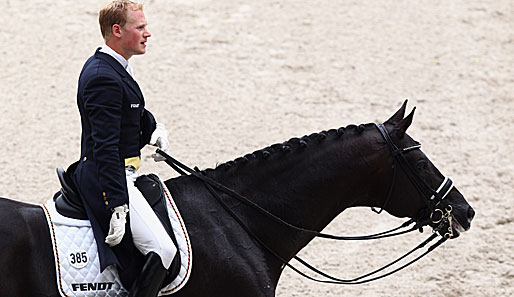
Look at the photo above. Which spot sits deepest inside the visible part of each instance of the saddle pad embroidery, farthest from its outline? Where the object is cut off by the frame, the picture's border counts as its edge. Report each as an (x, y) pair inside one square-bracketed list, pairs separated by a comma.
[(76, 256)]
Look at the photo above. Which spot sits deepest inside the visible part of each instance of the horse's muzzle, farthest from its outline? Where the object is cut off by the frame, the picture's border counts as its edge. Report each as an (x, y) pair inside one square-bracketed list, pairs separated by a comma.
[(458, 227)]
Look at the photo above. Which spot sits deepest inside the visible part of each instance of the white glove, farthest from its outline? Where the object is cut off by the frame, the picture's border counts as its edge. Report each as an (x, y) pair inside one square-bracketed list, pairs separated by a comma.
[(159, 139), (117, 226)]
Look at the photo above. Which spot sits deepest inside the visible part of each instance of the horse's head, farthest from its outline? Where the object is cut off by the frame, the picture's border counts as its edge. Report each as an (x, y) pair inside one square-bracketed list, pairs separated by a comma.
[(418, 189)]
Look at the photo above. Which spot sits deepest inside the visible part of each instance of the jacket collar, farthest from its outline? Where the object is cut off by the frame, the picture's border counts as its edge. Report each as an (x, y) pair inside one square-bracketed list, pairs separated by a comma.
[(115, 64), (108, 50)]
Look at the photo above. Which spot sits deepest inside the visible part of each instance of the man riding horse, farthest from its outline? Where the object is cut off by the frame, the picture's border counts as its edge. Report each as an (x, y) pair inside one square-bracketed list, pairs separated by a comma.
[(115, 126)]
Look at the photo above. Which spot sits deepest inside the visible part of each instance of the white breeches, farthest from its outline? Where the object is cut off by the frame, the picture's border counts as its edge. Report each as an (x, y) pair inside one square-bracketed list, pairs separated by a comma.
[(147, 231)]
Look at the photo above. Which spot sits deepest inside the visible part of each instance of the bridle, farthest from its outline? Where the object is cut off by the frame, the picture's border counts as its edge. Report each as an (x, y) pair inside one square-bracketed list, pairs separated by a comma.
[(433, 200)]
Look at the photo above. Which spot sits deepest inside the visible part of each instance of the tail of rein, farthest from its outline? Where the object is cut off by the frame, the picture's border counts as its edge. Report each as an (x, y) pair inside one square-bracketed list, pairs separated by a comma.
[(211, 185)]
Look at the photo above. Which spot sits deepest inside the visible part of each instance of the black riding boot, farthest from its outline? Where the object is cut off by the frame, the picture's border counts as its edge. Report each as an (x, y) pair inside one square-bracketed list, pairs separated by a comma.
[(150, 280)]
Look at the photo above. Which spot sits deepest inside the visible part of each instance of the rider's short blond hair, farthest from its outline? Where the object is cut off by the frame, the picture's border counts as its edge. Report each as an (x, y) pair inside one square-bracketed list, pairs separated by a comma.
[(116, 12)]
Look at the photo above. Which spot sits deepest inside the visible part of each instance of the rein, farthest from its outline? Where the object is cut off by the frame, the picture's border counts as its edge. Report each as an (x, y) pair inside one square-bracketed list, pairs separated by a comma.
[(431, 201), (174, 163)]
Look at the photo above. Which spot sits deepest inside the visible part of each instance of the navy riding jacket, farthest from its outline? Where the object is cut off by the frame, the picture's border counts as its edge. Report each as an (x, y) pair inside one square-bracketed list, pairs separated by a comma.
[(115, 126)]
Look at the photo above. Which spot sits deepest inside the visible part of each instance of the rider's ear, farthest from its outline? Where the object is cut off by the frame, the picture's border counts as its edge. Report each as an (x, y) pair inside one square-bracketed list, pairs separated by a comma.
[(398, 116), (402, 126)]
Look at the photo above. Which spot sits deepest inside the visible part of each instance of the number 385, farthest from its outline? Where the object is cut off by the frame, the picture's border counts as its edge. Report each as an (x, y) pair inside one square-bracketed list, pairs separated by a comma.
[(78, 258)]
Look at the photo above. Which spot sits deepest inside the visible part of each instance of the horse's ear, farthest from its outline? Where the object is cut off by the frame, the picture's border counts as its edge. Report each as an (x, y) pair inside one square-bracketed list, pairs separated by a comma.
[(398, 116), (402, 126)]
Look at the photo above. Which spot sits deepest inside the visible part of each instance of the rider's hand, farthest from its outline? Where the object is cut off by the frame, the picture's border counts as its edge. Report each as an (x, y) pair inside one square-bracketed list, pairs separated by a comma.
[(117, 225), (159, 139)]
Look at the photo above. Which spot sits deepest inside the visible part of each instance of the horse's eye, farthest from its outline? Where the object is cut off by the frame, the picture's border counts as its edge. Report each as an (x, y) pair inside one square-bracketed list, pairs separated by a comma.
[(421, 165)]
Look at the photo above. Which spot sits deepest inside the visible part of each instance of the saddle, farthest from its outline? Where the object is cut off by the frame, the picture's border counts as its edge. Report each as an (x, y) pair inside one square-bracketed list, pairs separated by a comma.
[(69, 204)]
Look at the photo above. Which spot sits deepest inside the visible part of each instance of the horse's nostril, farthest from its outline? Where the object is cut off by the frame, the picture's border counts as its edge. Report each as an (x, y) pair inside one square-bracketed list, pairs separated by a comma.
[(471, 213)]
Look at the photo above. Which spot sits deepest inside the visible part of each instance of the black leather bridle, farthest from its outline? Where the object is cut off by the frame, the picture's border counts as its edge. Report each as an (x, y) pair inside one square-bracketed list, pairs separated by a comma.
[(433, 200)]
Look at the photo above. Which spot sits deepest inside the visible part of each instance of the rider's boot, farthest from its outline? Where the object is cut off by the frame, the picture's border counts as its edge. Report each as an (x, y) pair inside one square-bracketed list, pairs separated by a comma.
[(150, 280)]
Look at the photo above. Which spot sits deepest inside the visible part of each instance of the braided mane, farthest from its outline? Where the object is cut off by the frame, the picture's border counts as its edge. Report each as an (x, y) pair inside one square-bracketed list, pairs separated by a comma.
[(293, 144)]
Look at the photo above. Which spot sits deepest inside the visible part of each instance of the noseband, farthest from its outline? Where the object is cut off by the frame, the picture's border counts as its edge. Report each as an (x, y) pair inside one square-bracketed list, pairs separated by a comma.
[(433, 199)]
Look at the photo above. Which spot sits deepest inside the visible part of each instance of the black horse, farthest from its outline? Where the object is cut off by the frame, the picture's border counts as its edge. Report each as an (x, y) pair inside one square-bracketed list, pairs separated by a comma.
[(305, 181)]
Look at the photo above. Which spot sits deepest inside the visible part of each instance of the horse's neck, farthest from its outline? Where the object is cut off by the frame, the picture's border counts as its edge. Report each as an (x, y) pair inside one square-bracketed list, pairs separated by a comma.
[(306, 187)]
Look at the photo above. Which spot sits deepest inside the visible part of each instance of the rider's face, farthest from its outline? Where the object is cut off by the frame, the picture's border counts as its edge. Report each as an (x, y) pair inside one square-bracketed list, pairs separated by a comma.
[(134, 34)]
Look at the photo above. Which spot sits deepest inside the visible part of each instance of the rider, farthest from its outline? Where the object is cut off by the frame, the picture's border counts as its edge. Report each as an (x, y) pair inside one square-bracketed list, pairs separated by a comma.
[(115, 126)]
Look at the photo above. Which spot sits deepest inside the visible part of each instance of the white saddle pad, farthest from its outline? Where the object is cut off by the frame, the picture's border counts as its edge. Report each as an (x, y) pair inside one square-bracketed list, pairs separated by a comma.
[(76, 256)]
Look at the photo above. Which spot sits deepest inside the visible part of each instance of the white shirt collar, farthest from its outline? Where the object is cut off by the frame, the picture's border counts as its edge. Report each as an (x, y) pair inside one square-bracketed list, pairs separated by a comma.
[(107, 50)]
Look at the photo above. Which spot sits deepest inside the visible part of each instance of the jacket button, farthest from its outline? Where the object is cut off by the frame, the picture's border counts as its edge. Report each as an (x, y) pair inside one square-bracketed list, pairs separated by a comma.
[(84, 160), (106, 202), (103, 194), (140, 132)]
